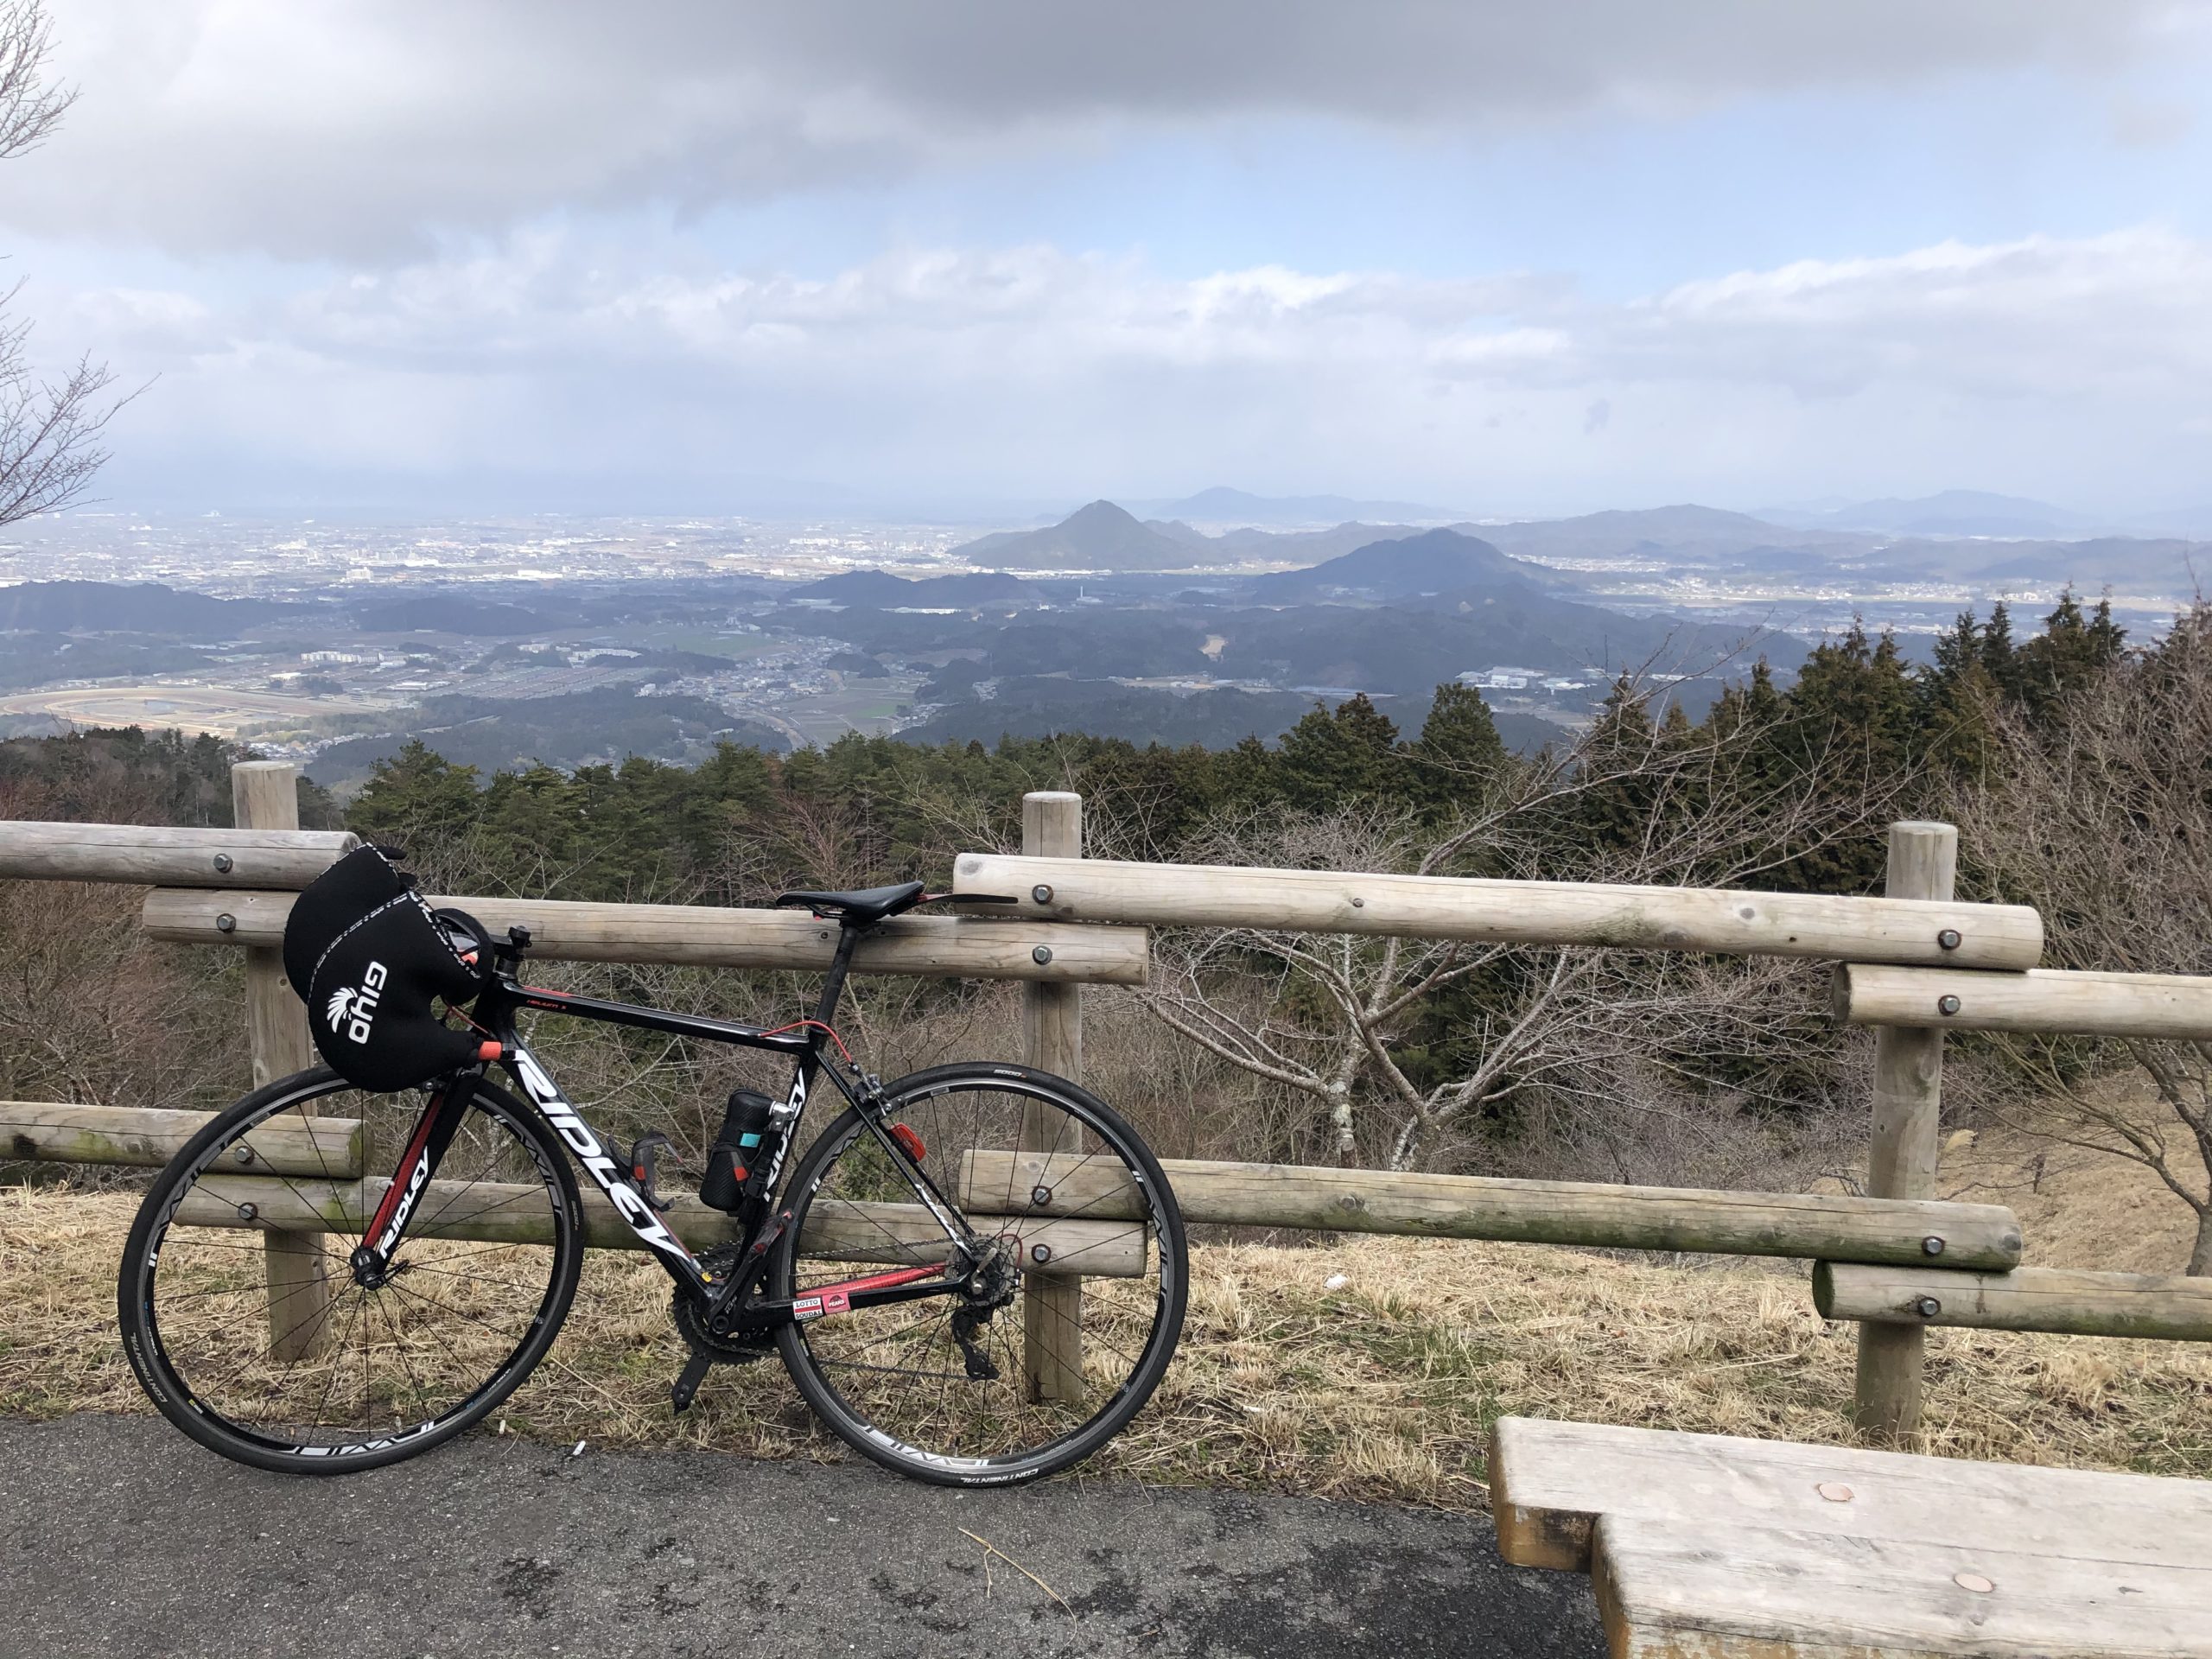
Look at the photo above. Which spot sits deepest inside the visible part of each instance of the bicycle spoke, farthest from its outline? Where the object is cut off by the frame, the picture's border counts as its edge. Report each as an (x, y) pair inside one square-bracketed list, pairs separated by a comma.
[(892, 1372), (357, 1360)]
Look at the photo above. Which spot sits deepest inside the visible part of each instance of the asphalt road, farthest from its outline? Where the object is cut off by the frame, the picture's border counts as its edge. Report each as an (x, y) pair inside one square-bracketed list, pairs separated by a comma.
[(119, 1538)]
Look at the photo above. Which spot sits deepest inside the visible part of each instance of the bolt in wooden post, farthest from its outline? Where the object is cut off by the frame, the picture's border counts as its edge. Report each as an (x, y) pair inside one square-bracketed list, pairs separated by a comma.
[(1901, 1164), (1051, 1041), (264, 795)]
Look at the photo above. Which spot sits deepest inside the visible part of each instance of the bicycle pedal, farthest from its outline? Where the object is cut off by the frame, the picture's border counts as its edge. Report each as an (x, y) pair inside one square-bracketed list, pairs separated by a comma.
[(687, 1385), (645, 1166)]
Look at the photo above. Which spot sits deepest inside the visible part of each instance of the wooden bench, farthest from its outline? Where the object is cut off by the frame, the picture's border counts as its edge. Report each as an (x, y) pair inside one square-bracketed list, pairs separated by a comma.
[(1708, 1547)]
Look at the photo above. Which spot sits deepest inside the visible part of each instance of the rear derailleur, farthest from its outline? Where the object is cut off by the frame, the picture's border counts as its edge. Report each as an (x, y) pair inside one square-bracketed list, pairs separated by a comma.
[(992, 1275)]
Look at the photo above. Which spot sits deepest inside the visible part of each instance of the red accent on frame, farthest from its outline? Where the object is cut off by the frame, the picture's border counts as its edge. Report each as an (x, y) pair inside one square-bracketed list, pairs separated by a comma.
[(382, 1219), (905, 1136), (489, 1050), (848, 1288)]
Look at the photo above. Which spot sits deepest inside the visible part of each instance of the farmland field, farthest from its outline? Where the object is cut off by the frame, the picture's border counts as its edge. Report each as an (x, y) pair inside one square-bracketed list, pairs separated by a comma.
[(215, 709)]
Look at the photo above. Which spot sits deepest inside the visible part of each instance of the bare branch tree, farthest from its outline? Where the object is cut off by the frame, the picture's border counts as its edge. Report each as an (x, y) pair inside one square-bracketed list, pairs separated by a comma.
[(1588, 1030), (2101, 818), (30, 107), (50, 423)]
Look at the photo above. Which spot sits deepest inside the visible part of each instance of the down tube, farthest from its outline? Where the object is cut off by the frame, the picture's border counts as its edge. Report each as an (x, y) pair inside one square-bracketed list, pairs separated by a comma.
[(583, 1142)]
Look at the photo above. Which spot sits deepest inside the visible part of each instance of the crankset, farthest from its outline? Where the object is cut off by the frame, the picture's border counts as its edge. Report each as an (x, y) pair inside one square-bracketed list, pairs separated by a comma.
[(738, 1347)]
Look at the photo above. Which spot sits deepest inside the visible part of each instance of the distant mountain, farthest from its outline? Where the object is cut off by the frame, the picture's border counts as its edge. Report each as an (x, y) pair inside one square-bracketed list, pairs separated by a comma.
[(1308, 546), (1101, 537), (2180, 521), (31, 660), (1223, 505), (881, 590), (1947, 512), (603, 725), (1219, 718), (116, 608), (438, 614), (2132, 565), (1687, 529), (1040, 707), (1432, 561)]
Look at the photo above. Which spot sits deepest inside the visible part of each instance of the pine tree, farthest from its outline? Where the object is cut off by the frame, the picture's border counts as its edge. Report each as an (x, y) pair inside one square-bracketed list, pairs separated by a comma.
[(1955, 700), (1330, 758), (1995, 651), (1614, 809), (417, 800), (1458, 750), (2071, 650)]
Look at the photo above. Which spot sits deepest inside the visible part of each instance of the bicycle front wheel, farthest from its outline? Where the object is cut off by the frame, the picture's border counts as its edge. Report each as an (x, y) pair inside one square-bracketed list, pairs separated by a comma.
[(242, 1313), (1067, 1332)]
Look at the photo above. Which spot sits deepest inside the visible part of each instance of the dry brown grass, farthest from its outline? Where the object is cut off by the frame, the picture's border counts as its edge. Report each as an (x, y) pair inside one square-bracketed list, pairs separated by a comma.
[(1382, 1389), (2079, 1209)]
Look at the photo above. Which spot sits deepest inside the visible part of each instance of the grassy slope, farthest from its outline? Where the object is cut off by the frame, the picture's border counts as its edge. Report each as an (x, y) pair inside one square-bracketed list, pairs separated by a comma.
[(1380, 1389)]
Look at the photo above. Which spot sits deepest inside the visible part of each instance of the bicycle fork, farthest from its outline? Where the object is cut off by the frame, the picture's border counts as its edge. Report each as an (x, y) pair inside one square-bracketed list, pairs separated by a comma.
[(434, 1129)]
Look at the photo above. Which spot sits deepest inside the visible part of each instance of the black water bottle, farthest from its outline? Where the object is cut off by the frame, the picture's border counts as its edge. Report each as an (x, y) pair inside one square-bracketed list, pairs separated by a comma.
[(731, 1160)]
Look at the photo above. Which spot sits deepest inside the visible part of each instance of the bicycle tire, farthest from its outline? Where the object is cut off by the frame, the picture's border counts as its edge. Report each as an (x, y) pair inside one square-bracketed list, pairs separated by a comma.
[(140, 1299), (1164, 1247)]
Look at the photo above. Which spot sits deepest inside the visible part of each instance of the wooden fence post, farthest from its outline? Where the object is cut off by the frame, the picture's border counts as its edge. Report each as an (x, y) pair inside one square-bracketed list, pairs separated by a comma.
[(1908, 1096), (264, 795), (1051, 1041)]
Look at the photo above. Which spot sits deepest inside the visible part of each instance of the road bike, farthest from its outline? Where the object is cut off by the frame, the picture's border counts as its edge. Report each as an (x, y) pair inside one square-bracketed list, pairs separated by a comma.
[(975, 1275)]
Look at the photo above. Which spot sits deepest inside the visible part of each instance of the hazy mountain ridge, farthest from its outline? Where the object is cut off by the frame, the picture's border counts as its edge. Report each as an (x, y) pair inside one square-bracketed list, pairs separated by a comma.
[(602, 725), (1428, 562), (119, 607), (1100, 536), (884, 591), (1987, 515)]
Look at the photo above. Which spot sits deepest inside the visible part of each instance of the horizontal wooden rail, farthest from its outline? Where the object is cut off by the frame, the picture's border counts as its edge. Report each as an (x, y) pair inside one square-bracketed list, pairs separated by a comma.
[(286, 1144), (1085, 1193), (2065, 1300), (1912, 930), (497, 1212), (2042, 1000), (952, 947), (152, 855), (1541, 1212)]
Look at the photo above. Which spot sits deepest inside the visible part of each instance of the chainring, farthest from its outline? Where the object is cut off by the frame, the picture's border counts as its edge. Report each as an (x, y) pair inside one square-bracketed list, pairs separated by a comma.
[(739, 1348)]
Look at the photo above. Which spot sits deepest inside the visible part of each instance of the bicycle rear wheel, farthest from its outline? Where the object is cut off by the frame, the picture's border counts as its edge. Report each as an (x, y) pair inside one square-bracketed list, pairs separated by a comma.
[(1077, 1318), (241, 1312)]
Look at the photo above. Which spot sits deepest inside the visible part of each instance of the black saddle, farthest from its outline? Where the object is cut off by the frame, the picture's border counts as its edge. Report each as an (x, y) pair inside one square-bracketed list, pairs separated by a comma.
[(862, 908)]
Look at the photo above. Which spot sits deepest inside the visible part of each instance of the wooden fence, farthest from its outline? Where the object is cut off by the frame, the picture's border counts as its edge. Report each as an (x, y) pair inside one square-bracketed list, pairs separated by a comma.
[(1911, 963)]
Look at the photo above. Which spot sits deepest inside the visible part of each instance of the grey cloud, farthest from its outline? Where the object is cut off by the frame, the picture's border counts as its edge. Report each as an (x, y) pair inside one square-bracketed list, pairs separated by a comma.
[(2086, 363), (361, 129)]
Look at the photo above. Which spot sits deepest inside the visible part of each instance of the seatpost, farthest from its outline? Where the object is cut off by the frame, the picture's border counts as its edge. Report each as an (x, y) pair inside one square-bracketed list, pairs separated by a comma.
[(833, 984)]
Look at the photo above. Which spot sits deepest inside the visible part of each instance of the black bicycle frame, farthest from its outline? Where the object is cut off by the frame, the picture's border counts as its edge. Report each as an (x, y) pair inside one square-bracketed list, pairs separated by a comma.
[(495, 1011)]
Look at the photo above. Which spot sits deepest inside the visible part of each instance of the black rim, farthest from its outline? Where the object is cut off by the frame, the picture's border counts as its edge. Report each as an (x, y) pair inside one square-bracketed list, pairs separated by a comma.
[(362, 1370), (898, 1381)]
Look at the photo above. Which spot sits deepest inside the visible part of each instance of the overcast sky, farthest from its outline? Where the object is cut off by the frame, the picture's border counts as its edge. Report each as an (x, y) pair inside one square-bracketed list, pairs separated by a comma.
[(958, 257)]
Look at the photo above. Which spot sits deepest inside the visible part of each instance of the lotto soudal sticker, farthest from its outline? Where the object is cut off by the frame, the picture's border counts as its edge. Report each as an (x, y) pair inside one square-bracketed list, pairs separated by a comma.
[(807, 1307)]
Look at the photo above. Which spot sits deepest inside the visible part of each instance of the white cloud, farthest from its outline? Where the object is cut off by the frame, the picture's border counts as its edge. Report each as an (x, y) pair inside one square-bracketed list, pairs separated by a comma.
[(360, 128), (2080, 367)]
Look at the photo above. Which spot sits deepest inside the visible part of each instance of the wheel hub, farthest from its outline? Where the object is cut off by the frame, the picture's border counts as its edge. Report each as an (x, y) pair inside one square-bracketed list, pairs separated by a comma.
[(993, 1276)]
